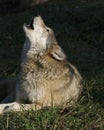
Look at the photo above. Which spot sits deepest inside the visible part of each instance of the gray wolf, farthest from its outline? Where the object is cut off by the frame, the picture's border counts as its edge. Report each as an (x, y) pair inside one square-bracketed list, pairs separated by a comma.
[(46, 78)]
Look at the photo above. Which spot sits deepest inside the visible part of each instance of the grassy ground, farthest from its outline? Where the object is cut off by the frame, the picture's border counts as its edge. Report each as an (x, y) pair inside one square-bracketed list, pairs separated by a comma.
[(79, 29)]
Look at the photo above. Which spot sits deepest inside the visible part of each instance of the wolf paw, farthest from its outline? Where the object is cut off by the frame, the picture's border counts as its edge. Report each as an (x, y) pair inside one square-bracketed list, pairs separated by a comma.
[(10, 107), (7, 109)]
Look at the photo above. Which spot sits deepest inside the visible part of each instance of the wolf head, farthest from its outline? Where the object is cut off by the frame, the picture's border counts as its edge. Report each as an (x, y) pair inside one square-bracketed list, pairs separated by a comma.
[(40, 38)]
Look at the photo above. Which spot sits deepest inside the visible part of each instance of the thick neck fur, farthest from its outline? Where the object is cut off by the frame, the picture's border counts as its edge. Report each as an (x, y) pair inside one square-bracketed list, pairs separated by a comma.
[(36, 62)]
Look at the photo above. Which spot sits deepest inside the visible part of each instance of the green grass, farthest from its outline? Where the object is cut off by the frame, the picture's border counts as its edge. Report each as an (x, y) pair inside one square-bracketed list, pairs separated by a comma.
[(79, 29)]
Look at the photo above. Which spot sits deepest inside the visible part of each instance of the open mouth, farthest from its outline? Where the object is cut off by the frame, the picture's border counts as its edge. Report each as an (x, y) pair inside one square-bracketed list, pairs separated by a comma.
[(30, 26)]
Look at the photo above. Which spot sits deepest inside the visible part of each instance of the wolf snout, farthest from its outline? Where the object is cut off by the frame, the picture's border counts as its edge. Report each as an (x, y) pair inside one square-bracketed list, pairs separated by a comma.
[(29, 26), (35, 21), (38, 21)]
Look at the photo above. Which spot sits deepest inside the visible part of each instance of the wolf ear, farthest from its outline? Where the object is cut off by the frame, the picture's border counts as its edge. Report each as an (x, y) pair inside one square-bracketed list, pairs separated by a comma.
[(58, 54)]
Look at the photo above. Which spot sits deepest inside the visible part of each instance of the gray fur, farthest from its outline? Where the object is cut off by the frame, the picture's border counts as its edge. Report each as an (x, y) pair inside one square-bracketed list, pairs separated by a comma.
[(46, 78)]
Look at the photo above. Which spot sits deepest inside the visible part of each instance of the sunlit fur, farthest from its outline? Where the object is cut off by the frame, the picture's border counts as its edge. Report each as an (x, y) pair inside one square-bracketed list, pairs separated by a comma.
[(46, 78)]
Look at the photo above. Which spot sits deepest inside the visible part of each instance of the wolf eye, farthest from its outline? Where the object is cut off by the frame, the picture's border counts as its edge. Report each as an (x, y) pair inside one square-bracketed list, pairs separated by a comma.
[(47, 30)]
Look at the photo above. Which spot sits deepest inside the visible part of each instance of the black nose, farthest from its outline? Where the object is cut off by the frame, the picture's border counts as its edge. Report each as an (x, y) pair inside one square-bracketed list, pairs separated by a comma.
[(31, 24)]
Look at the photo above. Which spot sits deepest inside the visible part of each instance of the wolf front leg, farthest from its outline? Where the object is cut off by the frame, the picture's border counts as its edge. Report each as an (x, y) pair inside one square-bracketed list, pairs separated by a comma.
[(16, 107), (6, 106)]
